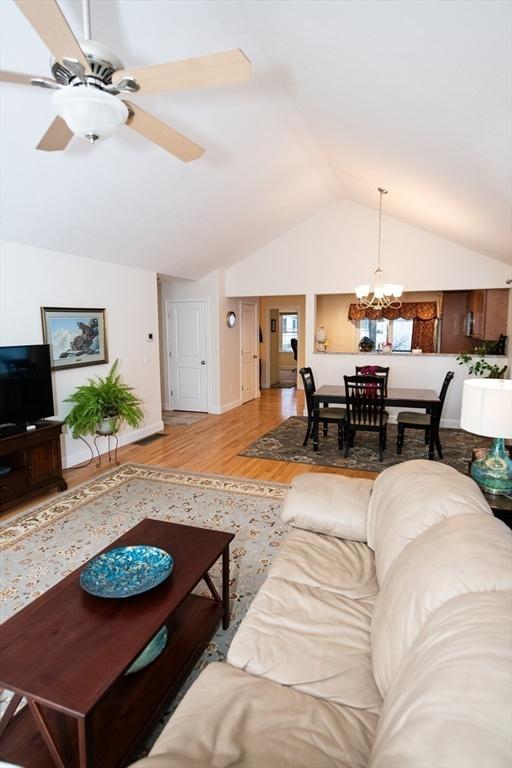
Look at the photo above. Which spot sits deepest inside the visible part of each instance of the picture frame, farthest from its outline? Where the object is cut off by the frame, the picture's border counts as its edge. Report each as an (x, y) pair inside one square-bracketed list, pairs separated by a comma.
[(77, 337), (273, 326)]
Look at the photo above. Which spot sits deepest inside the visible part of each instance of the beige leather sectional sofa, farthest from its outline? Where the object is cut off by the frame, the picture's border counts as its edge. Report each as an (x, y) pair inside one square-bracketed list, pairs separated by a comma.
[(382, 636)]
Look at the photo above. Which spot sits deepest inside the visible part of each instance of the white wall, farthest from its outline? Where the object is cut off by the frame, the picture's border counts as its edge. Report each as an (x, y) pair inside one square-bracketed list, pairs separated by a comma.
[(32, 277), (335, 250), (230, 357), (223, 343)]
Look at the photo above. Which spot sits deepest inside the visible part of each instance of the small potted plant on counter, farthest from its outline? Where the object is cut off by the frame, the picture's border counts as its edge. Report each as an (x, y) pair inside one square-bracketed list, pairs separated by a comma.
[(366, 344), (102, 405)]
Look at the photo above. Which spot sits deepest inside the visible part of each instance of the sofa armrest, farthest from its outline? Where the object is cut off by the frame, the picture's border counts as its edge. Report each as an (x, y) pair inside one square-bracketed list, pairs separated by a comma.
[(331, 504)]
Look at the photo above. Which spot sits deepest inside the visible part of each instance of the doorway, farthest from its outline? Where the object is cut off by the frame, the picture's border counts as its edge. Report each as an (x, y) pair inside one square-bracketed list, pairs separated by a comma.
[(282, 347), (186, 351)]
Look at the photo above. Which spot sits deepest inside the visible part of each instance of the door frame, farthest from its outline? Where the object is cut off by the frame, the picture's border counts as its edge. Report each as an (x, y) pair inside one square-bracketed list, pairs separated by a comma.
[(284, 309), (168, 302), (257, 382)]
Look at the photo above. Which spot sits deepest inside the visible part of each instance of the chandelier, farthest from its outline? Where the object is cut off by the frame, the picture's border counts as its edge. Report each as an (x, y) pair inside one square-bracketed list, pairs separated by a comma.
[(381, 295)]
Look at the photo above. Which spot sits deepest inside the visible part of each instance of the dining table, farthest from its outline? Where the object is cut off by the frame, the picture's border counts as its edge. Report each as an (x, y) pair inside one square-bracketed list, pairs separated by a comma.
[(403, 397)]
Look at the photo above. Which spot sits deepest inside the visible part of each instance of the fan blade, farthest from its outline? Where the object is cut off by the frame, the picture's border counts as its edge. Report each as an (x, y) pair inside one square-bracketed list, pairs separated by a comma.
[(51, 26), (57, 137), (16, 77), (162, 134), (216, 69)]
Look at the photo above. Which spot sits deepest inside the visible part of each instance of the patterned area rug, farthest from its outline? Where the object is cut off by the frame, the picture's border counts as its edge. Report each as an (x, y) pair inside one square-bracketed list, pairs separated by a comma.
[(175, 418), (283, 385), (39, 547), (284, 443)]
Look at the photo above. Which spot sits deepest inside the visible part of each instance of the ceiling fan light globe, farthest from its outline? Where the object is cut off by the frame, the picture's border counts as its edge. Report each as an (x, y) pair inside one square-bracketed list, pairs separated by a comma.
[(90, 111)]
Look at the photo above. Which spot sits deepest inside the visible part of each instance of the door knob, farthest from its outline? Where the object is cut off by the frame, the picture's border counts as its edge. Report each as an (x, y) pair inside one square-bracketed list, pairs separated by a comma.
[(254, 357), (203, 362)]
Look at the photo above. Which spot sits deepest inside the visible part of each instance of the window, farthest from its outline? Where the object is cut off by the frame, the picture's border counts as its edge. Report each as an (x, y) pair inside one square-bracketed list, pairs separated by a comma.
[(398, 333), (402, 335), (288, 325), (376, 330)]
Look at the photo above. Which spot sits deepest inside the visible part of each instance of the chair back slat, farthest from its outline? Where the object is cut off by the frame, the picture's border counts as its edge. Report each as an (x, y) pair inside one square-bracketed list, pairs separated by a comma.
[(444, 389), (309, 387), (365, 400)]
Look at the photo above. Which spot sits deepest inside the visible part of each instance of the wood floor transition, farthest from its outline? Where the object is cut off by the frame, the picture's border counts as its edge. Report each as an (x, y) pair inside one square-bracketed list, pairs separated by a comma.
[(212, 445)]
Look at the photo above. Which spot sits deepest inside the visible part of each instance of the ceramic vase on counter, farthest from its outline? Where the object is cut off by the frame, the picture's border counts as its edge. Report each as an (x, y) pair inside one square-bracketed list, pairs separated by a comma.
[(321, 339)]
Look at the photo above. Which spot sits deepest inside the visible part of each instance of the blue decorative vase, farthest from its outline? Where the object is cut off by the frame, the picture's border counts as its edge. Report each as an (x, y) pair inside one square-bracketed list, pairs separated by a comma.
[(493, 473), (151, 652)]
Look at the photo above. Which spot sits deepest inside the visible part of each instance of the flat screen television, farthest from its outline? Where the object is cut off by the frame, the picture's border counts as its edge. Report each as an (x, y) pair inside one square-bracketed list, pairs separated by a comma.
[(25, 384)]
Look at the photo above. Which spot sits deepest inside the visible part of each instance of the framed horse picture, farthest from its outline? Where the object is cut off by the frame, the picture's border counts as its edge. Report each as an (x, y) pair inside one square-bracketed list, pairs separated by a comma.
[(77, 337)]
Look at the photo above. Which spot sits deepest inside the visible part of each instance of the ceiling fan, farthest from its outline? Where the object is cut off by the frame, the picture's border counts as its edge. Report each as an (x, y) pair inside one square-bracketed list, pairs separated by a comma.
[(88, 78)]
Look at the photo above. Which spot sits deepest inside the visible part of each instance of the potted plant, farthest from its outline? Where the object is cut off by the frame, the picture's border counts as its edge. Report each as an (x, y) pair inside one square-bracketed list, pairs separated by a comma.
[(366, 344), (102, 405), (480, 366)]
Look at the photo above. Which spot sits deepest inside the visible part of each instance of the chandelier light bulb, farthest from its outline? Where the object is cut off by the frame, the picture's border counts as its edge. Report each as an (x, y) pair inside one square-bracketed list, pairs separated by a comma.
[(362, 291)]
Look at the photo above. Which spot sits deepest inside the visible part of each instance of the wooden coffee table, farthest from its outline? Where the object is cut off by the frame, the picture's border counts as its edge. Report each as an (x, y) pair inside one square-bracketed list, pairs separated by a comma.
[(67, 651)]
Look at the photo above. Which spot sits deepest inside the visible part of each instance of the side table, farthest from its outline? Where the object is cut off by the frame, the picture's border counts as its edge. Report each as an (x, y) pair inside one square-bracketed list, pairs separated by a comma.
[(501, 507)]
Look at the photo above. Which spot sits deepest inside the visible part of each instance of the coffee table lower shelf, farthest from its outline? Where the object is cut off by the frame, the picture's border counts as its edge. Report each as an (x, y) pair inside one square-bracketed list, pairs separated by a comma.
[(130, 708)]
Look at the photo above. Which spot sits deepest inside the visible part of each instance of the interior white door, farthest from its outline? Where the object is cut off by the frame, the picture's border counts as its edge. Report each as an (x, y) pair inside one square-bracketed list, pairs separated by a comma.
[(249, 356), (188, 375)]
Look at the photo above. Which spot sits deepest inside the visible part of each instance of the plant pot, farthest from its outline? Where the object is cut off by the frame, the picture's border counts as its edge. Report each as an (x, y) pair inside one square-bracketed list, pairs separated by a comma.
[(107, 426)]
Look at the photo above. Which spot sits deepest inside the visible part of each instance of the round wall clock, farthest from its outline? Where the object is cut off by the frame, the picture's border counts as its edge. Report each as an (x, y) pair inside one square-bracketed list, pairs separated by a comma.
[(230, 319)]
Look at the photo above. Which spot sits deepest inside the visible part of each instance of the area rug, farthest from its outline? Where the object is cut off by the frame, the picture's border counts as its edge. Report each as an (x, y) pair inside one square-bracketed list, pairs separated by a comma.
[(283, 385), (41, 546), (175, 418), (284, 443)]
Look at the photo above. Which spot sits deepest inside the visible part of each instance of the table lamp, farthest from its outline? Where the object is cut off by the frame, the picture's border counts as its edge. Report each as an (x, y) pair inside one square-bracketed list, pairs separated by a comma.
[(487, 410)]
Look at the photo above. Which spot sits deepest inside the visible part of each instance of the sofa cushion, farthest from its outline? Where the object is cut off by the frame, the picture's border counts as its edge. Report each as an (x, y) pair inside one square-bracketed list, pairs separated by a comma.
[(345, 567), (467, 553), (409, 498), (311, 639), (330, 504), (451, 702), (231, 718)]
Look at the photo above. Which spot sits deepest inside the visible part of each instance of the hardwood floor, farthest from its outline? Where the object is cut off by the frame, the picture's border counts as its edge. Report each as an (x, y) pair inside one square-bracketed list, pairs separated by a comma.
[(212, 445)]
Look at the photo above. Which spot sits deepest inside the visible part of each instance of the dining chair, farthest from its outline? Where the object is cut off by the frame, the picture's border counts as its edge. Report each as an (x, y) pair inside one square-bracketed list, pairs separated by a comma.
[(327, 415), (374, 370), (365, 409), (413, 420), (293, 345)]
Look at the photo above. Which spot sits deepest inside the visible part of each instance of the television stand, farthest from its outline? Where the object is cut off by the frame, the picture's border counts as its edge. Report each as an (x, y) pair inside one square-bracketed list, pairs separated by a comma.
[(34, 464)]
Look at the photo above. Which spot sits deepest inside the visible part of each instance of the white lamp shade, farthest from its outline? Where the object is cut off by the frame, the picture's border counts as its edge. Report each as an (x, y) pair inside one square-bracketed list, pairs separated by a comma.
[(487, 407), (89, 111)]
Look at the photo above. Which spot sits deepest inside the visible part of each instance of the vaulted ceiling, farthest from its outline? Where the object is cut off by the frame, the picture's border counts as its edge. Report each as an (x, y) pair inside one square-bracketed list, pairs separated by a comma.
[(345, 95)]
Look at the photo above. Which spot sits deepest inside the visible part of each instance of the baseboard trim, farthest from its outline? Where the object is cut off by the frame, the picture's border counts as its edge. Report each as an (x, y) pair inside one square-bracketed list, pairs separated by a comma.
[(80, 456), (218, 410)]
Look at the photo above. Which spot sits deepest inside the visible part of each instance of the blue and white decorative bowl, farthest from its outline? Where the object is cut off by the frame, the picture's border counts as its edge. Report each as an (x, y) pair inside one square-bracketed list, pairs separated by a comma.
[(151, 652), (126, 571)]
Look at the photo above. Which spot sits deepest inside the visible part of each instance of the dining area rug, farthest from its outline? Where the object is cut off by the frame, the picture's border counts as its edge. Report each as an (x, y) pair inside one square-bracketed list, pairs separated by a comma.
[(284, 443)]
